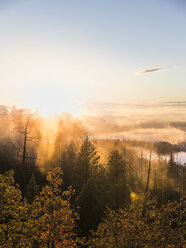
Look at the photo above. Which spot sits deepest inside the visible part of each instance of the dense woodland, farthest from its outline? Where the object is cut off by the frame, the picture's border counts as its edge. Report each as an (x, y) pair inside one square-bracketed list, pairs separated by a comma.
[(66, 189)]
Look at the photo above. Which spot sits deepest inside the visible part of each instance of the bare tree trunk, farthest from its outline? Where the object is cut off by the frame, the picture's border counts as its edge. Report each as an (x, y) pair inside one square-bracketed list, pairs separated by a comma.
[(147, 186), (141, 170), (24, 155), (148, 178), (155, 179)]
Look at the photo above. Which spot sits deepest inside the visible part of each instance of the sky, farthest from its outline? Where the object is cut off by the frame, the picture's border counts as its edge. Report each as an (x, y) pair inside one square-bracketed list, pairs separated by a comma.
[(66, 55)]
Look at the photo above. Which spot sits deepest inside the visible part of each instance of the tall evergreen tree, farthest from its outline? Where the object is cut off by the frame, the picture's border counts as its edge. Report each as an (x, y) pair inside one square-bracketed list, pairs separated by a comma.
[(87, 165), (170, 188), (171, 167), (68, 162), (90, 207), (117, 180), (32, 189)]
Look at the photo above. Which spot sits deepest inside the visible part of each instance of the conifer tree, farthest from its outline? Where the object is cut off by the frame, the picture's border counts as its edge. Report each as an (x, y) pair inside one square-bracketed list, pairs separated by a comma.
[(32, 189), (68, 162), (90, 207), (87, 165), (170, 188), (117, 180)]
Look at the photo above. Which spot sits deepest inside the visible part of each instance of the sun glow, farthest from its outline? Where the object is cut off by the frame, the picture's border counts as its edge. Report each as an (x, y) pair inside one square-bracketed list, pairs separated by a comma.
[(64, 107), (52, 98)]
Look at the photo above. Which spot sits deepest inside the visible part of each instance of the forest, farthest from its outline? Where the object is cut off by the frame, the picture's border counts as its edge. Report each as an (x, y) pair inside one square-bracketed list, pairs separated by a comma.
[(61, 187)]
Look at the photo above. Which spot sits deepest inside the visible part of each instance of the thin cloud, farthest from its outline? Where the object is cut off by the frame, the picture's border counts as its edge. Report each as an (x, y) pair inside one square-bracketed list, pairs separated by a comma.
[(150, 71)]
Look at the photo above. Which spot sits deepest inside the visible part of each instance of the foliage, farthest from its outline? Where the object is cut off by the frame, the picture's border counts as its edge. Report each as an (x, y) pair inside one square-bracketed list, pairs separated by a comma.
[(68, 163), (117, 179), (88, 164), (32, 189), (128, 228), (48, 222), (90, 207), (52, 219), (13, 213)]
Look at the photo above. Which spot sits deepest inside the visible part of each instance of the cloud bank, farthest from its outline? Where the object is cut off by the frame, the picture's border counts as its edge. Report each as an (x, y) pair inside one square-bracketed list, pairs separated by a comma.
[(156, 122)]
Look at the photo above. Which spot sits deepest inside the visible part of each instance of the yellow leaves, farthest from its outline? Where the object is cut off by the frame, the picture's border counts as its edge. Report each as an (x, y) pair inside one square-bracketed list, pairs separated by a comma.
[(133, 196), (126, 228), (49, 220), (52, 215)]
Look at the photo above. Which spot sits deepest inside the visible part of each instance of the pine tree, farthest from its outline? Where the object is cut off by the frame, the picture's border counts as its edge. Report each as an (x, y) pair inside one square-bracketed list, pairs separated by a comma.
[(90, 207), (87, 165), (117, 180), (68, 162), (171, 186), (171, 167), (32, 189)]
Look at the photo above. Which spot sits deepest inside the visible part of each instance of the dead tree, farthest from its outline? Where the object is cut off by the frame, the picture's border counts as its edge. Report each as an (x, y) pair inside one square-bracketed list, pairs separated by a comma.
[(141, 169), (24, 154), (148, 178), (155, 178), (147, 185)]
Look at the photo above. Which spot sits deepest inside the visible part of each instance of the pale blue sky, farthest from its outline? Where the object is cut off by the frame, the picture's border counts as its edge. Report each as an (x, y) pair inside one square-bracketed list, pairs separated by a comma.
[(56, 55)]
